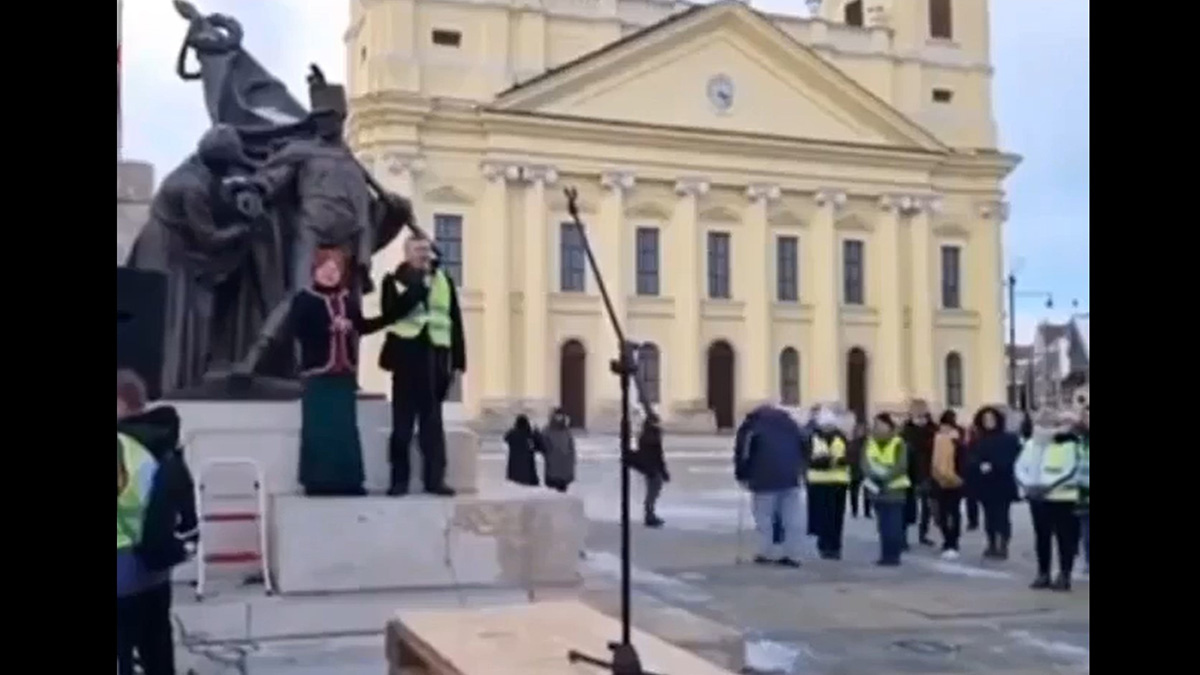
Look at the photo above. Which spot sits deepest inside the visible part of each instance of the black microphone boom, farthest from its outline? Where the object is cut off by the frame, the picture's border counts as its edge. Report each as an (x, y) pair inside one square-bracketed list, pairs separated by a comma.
[(625, 660)]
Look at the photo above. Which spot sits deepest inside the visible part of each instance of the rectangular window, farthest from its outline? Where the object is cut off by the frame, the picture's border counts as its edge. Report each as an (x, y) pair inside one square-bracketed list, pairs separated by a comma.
[(647, 261), (951, 277), (852, 272), (942, 95), (446, 38), (572, 260), (718, 265), (941, 22), (787, 269), (447, 231)]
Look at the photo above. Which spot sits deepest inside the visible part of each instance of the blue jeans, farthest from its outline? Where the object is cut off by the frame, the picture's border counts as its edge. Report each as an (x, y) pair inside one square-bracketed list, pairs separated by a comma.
[(784, 505), (889, 519)]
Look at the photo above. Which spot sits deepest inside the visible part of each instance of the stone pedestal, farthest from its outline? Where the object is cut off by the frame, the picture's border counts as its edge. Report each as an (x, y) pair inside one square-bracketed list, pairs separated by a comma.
[(690, 417), (135, 186), (513, 537), (495, 416)]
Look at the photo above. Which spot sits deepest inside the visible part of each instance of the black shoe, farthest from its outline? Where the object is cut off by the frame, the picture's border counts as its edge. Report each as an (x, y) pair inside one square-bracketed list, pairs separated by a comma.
[(397, 491), (763, 560), (971, 527), (1002, 549), (1062, 583), (904, 547), (787, 562), (926, 541), (655, 522), (440, 491), (831, 555), (1042, 582), (884, 562)]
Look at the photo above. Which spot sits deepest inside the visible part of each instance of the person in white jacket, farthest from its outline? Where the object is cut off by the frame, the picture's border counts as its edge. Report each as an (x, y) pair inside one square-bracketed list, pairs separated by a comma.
[(1047, 472)]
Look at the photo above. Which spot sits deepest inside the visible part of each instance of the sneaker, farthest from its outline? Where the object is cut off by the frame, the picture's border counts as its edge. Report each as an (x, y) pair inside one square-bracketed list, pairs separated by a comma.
[(949, 554)]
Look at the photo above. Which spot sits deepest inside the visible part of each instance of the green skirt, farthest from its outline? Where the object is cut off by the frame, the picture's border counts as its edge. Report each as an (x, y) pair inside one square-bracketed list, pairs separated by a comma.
[(330, 449)]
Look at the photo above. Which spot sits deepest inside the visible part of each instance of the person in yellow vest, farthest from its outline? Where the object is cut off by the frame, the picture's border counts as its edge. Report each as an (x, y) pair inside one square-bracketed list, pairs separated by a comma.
[(1047, 472), (828, 479), (885, 476), (424, 351), (156, 527)]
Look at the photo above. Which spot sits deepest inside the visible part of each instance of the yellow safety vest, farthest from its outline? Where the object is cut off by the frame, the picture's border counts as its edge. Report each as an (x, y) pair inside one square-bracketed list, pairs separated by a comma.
[(836, 451), (1056, 461), (133, 496), (433, 314), (885, 458)]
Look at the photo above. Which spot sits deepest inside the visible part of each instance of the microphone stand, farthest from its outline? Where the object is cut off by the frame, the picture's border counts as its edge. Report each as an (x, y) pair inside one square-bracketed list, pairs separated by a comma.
[(625, 659)]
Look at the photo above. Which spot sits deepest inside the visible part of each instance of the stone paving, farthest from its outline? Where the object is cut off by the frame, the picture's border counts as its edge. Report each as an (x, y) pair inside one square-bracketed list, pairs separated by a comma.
[(929, 617)]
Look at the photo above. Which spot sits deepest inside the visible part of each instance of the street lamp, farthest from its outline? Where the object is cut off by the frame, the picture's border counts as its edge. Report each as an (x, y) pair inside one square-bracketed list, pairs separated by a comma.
[(1011, 283)]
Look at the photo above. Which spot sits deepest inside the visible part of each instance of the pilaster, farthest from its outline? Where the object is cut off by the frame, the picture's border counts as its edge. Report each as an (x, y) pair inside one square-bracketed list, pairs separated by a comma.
[(497, 288), (988, 300), (827, 359), (919, 211), (759, 355), (685, 362), (888, 361), (536, 351)]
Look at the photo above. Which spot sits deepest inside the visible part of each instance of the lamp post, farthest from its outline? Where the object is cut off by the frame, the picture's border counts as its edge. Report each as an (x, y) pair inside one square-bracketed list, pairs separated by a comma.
[(1013, 293)]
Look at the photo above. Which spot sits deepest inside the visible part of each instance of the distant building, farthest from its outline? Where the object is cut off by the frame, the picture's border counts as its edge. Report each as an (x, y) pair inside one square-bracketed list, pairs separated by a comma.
[(135, 180), (1021, 391), (1061, 362)]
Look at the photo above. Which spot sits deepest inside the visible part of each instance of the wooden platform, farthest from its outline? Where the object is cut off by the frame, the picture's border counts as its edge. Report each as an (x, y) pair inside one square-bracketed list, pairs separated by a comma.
[(527, 639)]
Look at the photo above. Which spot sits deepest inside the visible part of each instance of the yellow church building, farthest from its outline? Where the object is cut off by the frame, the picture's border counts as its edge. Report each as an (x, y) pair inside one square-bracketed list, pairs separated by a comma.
[(785, 209)]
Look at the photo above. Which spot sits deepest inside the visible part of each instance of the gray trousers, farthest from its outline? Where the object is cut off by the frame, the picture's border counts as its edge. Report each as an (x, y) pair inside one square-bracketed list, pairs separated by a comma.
[(654, 486)]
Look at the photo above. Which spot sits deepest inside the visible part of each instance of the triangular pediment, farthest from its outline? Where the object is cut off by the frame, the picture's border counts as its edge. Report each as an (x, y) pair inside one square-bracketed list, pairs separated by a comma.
[(719, 214), (721, 67), (447, 194)]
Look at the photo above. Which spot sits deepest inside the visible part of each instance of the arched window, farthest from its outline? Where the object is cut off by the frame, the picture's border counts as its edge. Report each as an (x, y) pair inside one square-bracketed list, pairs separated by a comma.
[(954, 380), (649, 371), (941, 22), (853, 13), (789, 377)]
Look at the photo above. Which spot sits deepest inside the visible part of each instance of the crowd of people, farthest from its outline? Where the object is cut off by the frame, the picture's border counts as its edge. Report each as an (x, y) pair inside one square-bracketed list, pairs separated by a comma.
[(919, 474)]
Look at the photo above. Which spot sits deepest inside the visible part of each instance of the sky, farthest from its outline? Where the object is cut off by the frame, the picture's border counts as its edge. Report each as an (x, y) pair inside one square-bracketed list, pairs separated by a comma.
[(1040, 50)]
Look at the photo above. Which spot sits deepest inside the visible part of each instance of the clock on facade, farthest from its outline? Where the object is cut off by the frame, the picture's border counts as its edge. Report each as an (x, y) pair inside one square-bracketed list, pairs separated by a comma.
[(720, 92)]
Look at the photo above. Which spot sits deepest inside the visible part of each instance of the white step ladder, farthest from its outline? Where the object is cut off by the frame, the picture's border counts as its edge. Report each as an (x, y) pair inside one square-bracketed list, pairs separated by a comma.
[(204, 557)]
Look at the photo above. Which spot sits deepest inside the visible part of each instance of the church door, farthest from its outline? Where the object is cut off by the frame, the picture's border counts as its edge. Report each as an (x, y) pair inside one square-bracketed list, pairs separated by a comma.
[(856, 383), (721, 394), (572, 382)]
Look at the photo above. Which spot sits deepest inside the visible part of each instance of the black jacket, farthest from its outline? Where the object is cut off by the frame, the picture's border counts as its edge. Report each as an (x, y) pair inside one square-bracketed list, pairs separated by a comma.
[(998, 449), (650, 460), (310, 322), (523, 444), (417, 355), (919, 440), (171, 518)]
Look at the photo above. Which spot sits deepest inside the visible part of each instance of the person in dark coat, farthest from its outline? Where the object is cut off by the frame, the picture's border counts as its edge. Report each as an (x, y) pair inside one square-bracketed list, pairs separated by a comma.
[(557, 445), (651, 462), (523, 444), (157, 526), (768, 461), (918, 435), (854, 453), (425, 351), (992, 456), (326, 321)]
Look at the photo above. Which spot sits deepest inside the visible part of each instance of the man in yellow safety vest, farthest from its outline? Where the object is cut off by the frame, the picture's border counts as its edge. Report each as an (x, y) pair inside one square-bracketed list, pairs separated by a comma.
[(424, 351), (885, 477), (828, 479)]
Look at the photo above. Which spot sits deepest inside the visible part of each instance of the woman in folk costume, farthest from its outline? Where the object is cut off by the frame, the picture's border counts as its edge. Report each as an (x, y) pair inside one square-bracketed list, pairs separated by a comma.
[(326, 321)]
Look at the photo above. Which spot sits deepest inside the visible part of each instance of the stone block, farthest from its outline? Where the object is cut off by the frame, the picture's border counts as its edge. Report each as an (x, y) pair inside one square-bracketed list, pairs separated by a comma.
[(512, 537)]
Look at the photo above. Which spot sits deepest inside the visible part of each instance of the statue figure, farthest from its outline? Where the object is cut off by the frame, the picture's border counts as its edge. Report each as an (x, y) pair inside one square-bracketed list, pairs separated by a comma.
[(235, 227)]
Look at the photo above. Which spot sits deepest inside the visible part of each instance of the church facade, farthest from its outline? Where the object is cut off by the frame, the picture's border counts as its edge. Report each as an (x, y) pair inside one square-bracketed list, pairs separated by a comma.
[(784, 209)]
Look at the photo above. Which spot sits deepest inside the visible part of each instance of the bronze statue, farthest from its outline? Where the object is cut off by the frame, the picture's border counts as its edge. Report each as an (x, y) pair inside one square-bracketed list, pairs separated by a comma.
[(235, 226)]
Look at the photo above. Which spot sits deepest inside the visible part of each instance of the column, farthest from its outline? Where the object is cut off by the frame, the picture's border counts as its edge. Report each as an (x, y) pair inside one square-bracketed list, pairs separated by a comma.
[(827, 360), (685, 362), (396, 172), (495, 253), (536, 352), (759, 354), (988, 293), (919, 210), (888, 359), (609, 242)]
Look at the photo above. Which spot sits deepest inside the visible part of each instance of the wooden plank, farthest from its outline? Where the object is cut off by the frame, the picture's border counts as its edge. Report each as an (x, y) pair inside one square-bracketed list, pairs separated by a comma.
[(530, 639)]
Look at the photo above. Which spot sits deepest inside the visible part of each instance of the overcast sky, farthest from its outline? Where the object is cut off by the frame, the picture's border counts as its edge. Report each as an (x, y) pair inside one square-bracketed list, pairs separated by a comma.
[(1040, 49)]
